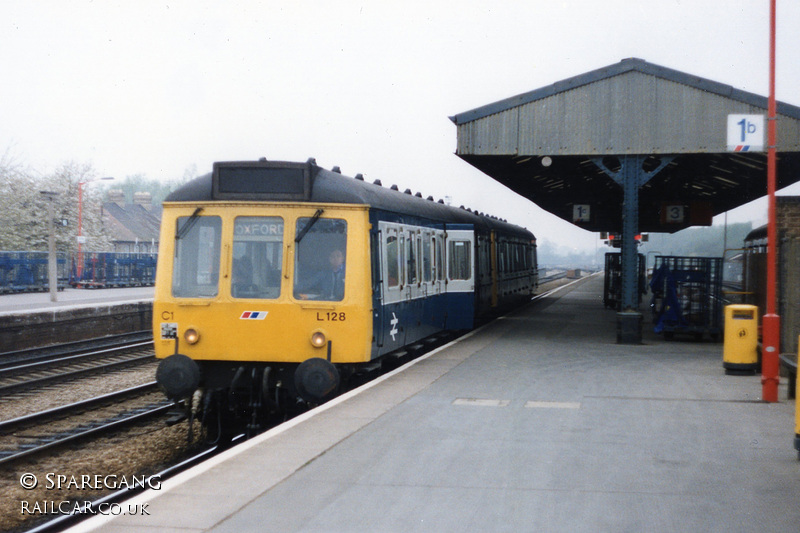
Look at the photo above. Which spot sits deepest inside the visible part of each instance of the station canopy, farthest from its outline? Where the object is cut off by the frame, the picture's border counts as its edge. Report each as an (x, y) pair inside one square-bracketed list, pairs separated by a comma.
[(559, 145)]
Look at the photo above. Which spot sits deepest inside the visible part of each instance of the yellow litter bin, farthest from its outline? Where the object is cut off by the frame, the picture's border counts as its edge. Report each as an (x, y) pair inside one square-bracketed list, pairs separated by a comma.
[(740, 347)]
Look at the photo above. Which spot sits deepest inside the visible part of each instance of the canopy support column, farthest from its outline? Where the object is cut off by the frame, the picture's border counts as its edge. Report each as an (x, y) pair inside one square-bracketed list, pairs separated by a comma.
[(630, 176)]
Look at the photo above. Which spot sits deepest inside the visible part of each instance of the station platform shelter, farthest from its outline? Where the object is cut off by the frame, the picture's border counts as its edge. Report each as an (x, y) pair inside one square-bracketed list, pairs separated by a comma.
[(538, 421), (629, 148)]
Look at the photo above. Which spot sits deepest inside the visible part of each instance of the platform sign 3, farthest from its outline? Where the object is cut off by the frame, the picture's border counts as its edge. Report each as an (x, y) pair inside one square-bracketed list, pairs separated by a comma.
[(746, 133), (672, 214)]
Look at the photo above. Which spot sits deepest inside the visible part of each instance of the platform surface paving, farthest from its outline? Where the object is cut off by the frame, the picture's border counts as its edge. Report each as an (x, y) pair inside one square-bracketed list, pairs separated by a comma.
[(537, 422)]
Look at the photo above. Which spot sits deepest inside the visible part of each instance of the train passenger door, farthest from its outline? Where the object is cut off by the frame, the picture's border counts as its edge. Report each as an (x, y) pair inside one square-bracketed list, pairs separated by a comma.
[(435, 242), (393, 284), (460, 284)]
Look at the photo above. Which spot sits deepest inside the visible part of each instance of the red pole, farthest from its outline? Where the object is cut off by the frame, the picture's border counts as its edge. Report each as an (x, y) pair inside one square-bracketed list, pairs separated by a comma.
[(771, 321)]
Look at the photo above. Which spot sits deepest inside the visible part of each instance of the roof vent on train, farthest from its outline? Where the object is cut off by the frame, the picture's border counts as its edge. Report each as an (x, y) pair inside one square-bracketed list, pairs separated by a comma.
[(418, 195), (394, 188), (360, 176), (378, 183), (336, 169), (407, 191)]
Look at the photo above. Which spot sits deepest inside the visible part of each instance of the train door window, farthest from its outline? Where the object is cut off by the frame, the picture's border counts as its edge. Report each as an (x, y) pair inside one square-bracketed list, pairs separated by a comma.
[(411, 259), (257, 257), (459, 260), (401, 256), (434, 258), (437, 257), (195, 272), (427, 258), (320, 258), (392, 261)]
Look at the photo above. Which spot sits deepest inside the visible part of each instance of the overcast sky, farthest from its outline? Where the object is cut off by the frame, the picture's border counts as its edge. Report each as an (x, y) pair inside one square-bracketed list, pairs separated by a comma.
[(157, 87)]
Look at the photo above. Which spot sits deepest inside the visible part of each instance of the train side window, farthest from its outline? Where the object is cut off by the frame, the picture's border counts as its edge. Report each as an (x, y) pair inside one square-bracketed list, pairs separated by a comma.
[(195, 271), (459, 260), (320, 259), (392, 274), (257, 257)]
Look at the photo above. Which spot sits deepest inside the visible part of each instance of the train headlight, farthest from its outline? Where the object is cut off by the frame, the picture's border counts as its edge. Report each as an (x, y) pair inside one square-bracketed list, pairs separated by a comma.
[(191, 336), (318, 339)]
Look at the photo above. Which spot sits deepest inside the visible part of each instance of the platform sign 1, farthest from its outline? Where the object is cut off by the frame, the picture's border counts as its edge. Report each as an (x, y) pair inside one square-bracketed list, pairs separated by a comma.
[(581, 213), (746, 133)]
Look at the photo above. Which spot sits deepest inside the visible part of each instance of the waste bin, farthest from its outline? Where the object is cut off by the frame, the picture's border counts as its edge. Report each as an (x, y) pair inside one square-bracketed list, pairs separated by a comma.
[(740, 347)]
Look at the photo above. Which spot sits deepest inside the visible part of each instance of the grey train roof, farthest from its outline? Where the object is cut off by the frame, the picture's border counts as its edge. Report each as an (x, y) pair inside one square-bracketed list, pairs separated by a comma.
[(332, 187)]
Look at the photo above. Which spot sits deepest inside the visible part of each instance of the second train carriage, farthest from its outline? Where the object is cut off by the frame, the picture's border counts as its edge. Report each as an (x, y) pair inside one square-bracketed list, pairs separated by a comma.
[(276, 279)]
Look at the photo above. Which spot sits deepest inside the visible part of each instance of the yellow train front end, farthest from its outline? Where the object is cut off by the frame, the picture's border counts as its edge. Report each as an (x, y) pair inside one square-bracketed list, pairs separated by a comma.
[(258, 303)]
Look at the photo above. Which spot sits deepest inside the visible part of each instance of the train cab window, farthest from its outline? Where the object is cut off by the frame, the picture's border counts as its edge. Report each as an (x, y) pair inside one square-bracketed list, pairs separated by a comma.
[(320, 259), (257, 257), (195, 271), (392, 269), (459, 260)]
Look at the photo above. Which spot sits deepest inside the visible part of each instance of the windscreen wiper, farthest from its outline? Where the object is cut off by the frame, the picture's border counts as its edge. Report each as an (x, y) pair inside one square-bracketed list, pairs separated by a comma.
[(308, 226), (182, 231)]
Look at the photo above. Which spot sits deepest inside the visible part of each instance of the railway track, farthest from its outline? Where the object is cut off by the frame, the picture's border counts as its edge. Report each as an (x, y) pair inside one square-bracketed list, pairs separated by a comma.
[(47, 369), (23, 436), (34, 355), (120, 496)]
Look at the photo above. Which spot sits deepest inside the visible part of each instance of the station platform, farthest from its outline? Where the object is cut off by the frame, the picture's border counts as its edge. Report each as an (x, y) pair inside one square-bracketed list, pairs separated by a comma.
[(538, 421), (31, 320), (27, 302)]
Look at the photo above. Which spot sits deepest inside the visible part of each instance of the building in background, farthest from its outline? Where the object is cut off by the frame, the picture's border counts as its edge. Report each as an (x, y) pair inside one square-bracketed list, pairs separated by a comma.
[(134, 226)]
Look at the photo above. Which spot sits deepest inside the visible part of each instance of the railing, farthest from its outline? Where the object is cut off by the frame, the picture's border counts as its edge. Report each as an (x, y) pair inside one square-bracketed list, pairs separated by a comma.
[(27, 271), (24, 271)]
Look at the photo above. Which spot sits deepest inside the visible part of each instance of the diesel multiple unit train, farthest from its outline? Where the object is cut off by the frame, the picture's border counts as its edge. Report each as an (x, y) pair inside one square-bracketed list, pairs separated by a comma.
[(277, 280)]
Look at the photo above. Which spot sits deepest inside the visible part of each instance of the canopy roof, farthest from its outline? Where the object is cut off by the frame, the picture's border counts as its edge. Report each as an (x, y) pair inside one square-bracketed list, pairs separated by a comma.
[(630, 108)]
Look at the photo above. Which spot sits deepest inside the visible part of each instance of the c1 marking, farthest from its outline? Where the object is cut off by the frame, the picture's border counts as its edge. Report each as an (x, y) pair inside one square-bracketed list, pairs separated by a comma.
[(167, 315)]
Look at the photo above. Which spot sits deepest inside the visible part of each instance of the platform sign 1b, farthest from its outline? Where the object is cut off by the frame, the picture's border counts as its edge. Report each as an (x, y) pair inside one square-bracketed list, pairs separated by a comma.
[(746, 133)]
